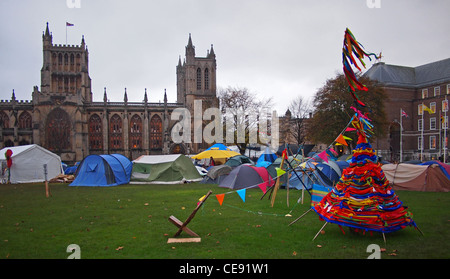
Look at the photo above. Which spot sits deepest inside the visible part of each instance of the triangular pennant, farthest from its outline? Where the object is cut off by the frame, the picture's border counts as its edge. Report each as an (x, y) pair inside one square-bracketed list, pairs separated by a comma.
[(242, 194), (341, 140), (220, 198), (263, 187), (280, 172), (347, 138), (323, 155), (350, 129)]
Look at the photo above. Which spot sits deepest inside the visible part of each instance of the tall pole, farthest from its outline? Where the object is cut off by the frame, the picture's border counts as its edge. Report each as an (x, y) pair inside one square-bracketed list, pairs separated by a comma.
[(401, 134), (421, 136), (445, 128)]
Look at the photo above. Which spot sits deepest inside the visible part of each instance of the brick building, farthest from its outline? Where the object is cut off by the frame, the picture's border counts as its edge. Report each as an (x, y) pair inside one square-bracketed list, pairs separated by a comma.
[(425, 133)]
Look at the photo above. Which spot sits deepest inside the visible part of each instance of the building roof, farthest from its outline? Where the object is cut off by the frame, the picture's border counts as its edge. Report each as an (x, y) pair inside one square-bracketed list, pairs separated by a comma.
[(411, 77)]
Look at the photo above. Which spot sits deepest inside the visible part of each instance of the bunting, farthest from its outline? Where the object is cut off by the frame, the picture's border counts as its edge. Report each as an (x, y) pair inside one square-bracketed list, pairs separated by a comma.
[(340, 139), (242, 193), (360, 124)]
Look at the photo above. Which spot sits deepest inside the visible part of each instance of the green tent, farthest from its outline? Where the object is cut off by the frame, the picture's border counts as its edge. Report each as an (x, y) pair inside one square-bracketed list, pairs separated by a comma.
[(164, 169)]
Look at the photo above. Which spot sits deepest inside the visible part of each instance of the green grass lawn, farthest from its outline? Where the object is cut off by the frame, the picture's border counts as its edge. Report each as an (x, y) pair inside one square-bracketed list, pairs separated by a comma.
[(131, 222)]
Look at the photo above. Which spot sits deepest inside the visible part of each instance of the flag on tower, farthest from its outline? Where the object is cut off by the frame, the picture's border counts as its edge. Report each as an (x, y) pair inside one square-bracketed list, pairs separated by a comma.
[(68, 24)]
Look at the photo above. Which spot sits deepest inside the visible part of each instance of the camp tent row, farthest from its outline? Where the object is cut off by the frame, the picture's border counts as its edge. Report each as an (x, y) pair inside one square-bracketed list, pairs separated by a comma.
[(116, 169)]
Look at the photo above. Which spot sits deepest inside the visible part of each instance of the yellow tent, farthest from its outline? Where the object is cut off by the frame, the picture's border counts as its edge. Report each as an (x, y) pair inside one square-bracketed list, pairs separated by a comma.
[(216, 154)]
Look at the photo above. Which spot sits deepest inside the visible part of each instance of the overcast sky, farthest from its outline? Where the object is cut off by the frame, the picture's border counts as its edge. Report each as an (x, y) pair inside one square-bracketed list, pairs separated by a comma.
[(275, 48)]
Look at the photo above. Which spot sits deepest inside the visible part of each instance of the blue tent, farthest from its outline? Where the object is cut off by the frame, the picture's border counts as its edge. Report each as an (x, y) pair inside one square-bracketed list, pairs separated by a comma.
[(103, 170), (266, 158), (218, 146)]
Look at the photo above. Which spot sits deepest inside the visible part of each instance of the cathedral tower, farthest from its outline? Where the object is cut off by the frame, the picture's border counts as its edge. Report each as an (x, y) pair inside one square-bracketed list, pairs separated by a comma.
[(59, 118), (196, 76)]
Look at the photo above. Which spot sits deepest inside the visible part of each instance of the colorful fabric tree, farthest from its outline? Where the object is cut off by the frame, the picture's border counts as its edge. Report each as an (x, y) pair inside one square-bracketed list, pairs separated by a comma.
[(363, 198)]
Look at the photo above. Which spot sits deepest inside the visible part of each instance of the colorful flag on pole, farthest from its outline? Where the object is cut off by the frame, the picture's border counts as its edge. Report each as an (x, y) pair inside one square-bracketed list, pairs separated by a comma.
[(404, 114), (68, 24), (425, 108)]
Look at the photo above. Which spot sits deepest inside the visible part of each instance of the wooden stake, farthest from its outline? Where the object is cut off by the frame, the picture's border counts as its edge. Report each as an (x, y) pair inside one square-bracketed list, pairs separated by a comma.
[(287, 188), (384, 238), (419, 230), (182, 227), (277, 184), (320, 230), (301, 216)]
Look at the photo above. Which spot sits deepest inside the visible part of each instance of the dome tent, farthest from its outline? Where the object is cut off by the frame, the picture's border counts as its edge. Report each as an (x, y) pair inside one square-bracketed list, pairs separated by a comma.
[(103, 170)]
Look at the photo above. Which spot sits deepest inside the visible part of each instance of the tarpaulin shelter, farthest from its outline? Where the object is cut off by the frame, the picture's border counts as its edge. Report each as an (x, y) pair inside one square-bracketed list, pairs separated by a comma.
[(163, 169), (103, 170), (28, 164), (417, 177), (245, 176), (444, 167)]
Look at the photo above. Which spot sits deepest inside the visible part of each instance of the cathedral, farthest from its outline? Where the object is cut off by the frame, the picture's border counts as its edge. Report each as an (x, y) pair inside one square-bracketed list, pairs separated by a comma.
[(63, 118)]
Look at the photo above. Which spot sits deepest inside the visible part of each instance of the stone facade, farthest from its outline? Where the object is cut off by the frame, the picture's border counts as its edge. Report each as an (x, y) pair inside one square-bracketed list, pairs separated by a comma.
[(63, 117)]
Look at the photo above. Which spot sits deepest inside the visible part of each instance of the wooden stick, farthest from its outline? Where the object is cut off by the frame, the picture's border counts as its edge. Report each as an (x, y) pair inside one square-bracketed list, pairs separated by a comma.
[(287, 189), (419, 230), (192, 215), (277, 184), (320, 230), (384, 238), (300, 217)]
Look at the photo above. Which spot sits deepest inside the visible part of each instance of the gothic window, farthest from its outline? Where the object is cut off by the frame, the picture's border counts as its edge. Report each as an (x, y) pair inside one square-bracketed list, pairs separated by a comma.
[(66, 59), (199, 79), (206, 79), (58, 130), (136, 132), (156, 132), (95, 133), (66, 84), (25, 120), (4, 120), (115, 132), (78, 63), (60, 59), (54, 61), (72, 62)]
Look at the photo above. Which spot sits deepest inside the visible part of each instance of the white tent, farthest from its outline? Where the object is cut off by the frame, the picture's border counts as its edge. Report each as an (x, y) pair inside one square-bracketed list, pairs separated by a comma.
[(28, 164)]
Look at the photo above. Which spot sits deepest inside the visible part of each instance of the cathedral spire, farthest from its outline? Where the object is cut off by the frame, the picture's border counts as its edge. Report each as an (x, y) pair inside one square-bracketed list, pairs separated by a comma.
[(105, 97), (47, 37), (190, 50), (211, 52), (189, 41)]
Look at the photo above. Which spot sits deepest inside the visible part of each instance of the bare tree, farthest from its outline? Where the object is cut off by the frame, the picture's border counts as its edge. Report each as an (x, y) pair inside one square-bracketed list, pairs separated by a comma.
[(240, 109), (300, 110)]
